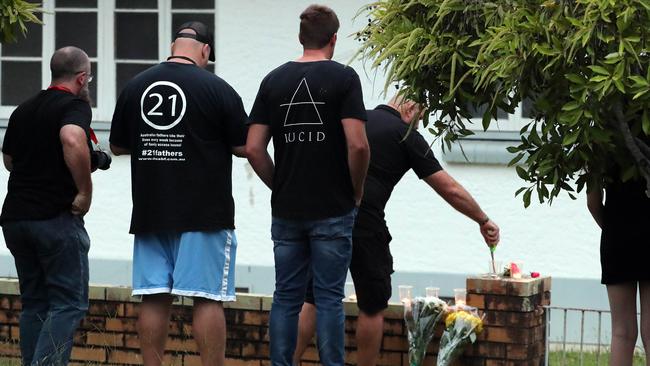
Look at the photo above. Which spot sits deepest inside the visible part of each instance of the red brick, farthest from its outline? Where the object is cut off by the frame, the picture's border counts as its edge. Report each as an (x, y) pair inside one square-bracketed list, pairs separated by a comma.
[(109, 309), (131, 310), (240, 362), (96, 354), (93, 323), (395, 343), (121, 325), (256, 349), (476, 300), (254, 318), (5, 303), (243, 332), (393, 327), (9, 349), (5, 333), (9, 317), (513, 303), (16, 304), (15, 333), (124, 357), (181, 344), (105, 339)]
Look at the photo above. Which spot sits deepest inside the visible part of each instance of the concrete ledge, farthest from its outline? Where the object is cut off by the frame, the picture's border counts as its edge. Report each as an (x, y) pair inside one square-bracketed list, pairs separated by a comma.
[(245, 301)]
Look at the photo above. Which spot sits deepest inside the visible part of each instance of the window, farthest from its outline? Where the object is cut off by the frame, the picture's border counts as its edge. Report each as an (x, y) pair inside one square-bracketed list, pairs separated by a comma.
[(122, 38), (20, 66), (76, 25)]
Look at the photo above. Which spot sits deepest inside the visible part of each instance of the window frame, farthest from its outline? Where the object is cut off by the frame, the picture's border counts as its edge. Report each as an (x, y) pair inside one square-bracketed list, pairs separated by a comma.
[(105, 75)]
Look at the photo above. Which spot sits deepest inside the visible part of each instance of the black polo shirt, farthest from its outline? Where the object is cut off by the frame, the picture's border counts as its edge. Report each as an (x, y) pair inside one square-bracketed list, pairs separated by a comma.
[(391, 156)]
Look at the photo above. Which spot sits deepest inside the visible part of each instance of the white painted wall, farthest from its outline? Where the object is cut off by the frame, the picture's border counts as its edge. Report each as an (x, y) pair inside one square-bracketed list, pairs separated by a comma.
[(255, 36)]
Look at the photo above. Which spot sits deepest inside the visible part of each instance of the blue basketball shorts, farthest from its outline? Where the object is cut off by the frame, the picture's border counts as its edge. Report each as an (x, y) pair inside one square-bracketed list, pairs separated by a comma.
[(195, 264)]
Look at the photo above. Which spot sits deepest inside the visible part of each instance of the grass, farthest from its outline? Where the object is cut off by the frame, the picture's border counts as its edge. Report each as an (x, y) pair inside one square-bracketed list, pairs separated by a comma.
[(555, 359), (589, 359)]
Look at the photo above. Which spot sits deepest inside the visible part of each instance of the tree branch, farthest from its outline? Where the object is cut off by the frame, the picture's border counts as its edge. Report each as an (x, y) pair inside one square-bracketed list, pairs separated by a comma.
[(642, 161)]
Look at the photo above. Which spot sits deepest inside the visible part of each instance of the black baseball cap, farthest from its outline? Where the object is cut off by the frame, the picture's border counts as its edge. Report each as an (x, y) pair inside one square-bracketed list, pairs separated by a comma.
[(203, 34)]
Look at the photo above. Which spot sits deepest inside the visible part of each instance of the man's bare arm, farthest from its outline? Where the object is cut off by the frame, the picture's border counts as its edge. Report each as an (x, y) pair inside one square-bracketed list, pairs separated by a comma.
[(456, 195), (77, 158), (358, 154), (7, 160), (257, 153)]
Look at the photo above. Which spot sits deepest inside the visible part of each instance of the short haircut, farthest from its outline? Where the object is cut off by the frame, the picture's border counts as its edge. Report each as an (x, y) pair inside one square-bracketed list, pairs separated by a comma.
[(66, 62), (318, 24)]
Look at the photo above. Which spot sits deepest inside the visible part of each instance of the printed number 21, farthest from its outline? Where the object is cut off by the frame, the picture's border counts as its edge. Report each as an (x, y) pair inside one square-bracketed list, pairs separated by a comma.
[(153, 111)]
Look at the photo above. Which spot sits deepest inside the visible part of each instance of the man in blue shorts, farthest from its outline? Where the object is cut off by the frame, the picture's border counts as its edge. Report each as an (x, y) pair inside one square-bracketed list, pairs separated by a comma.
[(182, 124)]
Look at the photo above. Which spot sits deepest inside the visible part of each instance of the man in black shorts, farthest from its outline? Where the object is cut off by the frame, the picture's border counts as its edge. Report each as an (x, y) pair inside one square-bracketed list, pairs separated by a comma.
[(372, 264)]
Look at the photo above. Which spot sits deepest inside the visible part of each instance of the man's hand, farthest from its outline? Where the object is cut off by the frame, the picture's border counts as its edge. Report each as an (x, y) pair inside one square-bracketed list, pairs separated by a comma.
[(490, 232), (81, 204)]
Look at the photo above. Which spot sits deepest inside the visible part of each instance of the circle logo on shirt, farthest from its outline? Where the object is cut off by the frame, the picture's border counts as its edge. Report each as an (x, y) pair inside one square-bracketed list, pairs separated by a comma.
[(163, 105)]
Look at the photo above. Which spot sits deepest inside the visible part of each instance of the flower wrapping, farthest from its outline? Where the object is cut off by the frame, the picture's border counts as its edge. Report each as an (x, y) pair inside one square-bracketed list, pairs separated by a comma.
[(421, 315), (462, 325)]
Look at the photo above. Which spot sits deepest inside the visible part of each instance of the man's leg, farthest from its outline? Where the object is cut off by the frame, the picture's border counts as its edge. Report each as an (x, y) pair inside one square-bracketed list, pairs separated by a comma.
[(306, 330), (209, 331), (153, 326), (205, 270), (622, 302), (331, 248), (63, 246), (371, 267), (370, 331), (291, 252), (33, 293), (153, 258)]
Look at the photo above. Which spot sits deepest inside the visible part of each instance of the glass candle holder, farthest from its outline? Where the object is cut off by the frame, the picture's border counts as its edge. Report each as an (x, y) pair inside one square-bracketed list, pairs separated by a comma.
[(460, 296), (405, 293), (494, 268), (432, 291)]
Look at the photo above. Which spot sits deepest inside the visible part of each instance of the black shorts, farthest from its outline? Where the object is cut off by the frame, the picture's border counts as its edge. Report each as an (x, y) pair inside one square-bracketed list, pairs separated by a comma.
[(371, 267)]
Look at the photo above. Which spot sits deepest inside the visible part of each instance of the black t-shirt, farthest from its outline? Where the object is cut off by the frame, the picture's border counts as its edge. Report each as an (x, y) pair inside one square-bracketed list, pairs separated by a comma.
[(180, 123), (391, 156), (303, 103), (40, 184)]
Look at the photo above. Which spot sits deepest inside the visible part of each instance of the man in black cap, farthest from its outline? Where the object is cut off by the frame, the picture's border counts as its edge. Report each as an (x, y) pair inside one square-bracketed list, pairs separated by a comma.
[(182, 124)]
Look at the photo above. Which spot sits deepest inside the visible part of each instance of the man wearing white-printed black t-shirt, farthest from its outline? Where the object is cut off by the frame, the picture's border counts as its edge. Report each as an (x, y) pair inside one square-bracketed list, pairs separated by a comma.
[(313, 110)]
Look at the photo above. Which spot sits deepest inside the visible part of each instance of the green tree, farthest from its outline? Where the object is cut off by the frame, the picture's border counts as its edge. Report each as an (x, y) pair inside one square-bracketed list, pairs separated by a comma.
[(584, 64), (14, 14)]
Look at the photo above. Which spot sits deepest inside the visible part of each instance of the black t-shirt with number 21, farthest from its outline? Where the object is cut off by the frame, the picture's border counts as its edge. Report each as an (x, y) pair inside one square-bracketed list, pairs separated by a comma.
[(180, 123)]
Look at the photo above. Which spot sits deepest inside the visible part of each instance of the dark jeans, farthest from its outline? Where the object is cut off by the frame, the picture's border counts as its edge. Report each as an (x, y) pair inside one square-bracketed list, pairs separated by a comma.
[(51, 259), (323, 247)]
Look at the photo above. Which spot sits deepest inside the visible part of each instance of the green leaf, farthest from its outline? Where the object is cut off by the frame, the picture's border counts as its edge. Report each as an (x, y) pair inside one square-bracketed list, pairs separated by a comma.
[(487, 118), (521, 172), (571, 137), (571, 106), (575, 78), (516, 159), (645, 122), (599, 69), (527, 198)]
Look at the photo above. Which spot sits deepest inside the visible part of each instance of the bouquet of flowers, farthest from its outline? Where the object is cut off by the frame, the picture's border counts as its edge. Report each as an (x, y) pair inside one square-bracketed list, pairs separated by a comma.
[(462, 325), (421, 315)]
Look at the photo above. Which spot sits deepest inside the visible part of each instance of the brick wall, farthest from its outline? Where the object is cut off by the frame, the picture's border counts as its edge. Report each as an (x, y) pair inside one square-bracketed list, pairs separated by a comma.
[(513, 336)]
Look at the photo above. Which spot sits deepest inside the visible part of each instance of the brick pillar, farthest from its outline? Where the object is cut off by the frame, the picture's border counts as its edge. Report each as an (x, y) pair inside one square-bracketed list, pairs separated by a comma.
[(515, 328)]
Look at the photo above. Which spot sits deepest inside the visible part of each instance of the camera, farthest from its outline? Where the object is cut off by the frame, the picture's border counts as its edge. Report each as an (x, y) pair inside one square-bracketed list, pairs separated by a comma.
[(99, 159)]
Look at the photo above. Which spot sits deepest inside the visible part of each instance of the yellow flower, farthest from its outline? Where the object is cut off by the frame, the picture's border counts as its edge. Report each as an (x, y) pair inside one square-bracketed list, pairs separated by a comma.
[(451, 318)]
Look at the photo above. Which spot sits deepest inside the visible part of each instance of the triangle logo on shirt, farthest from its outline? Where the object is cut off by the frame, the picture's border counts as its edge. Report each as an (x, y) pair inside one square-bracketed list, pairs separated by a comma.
[(302, 102)]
